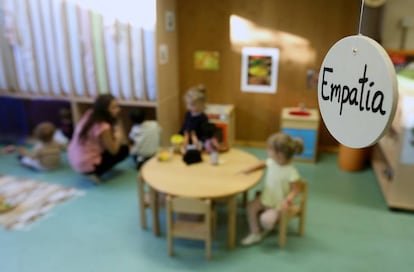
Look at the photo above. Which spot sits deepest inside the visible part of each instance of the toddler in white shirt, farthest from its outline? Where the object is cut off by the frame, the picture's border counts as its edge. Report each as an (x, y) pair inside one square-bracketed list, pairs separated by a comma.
[(145, 135)]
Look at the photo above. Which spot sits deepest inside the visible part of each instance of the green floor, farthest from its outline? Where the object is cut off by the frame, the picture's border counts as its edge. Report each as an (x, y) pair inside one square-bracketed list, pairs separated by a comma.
[(349, 228)]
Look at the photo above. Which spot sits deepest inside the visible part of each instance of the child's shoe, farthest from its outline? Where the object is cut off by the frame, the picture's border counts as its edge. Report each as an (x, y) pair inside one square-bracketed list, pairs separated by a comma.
[(251, 239)]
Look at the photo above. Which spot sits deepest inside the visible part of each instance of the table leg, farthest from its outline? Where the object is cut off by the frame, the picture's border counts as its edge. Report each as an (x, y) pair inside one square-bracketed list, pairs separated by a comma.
[(154, 209), (232, 216), (141, 199)]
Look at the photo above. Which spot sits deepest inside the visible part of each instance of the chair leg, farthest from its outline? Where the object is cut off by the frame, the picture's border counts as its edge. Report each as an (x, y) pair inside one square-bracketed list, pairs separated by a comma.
[(170, 247), (282, 230), (214, 223), (170, 240), (154, 209), (141, 198), (208, 248), (232, 222), (302, 224), (210, 221)]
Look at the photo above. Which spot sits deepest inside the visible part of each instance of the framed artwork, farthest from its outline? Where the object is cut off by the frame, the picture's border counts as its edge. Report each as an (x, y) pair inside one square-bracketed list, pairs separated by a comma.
[(206, 60), (259, 69)]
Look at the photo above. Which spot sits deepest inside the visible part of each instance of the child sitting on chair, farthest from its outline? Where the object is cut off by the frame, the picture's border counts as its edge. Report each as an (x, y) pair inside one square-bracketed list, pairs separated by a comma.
[(280, 186), (145, 136), (46, 152)]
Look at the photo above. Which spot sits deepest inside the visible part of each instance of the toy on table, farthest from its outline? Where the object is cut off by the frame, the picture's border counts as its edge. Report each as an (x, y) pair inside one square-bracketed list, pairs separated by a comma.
[(191, 148), (177, 141), (164, 154)]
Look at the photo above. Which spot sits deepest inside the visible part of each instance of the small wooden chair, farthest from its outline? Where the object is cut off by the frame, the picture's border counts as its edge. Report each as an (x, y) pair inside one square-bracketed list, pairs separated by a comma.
[(146, 201), (188, 229), (296, 210)]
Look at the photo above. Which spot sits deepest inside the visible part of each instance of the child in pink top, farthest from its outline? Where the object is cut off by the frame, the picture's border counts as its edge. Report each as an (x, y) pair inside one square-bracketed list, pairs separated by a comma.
[(96, 145)]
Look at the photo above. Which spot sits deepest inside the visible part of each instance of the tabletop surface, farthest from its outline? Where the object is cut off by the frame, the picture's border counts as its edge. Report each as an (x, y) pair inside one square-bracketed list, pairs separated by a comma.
[(202, 180)]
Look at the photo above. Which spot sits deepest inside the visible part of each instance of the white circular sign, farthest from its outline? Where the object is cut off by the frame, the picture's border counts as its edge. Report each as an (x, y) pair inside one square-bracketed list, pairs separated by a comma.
[(357, 91)]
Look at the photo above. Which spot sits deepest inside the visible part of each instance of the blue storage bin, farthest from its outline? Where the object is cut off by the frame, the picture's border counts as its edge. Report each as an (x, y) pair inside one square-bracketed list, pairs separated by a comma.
[(309, 140)]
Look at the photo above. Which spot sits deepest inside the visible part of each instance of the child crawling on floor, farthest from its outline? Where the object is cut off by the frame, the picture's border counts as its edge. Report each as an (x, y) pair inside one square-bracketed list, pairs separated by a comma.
[(46, 152)]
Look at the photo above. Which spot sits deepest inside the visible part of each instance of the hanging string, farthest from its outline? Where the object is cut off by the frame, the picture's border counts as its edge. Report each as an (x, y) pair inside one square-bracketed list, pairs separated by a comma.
[(360, 16)]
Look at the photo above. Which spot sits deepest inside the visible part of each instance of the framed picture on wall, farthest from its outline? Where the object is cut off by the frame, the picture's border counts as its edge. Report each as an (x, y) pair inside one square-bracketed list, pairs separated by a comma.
[(259, 69)]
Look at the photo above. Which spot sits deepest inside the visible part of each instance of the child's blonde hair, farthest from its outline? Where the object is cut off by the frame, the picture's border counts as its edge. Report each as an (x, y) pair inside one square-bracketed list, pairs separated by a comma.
[(196, 94), (44, 132), (285, 144)]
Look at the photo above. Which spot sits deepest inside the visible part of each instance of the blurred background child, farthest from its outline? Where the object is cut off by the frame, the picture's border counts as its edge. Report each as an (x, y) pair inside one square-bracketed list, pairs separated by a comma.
[(145, 136), (64, 131), (192, 128), (46, 153), (195, 100)]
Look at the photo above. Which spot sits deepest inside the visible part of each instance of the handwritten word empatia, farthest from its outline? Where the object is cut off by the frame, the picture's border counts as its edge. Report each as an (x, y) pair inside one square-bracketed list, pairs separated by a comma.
[(351, 95)]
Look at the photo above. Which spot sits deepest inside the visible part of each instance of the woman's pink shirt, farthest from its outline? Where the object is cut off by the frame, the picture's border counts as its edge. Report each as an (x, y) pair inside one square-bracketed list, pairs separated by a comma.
[(85, 155)]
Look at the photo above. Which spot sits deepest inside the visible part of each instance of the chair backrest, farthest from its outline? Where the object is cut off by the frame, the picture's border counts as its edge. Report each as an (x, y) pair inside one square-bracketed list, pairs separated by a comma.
[(189, 205), (185, 227)]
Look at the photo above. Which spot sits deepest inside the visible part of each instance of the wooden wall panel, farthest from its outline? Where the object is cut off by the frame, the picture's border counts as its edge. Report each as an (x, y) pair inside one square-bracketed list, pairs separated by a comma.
[(303, 31), (167, 74)]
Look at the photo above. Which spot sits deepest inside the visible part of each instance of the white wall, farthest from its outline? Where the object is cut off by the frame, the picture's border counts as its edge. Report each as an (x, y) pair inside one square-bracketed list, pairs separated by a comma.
[(394, 11)]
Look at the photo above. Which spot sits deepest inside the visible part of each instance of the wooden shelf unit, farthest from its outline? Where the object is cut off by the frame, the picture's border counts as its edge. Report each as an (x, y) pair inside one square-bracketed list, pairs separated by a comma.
[(165, 109), (393, 157)]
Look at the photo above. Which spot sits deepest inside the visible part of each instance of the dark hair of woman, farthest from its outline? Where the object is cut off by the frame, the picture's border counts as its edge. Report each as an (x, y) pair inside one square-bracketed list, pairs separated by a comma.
[(100, 113)]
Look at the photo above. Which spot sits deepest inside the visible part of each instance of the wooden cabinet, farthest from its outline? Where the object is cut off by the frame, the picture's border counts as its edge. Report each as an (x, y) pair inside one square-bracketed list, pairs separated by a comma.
[(393, 155), (303, 124), (222, 115)]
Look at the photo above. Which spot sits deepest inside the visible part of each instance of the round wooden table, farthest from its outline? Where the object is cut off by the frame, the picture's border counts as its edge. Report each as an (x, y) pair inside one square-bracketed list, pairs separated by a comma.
[(204, 180)]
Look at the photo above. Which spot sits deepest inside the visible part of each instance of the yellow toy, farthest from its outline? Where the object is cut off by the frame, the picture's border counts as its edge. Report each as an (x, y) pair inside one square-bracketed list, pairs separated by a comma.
[(177, 141), (164, 154)]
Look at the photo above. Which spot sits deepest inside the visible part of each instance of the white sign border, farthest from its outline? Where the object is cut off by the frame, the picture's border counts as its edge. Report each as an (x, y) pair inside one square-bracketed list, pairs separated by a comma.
[(388, 66)]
